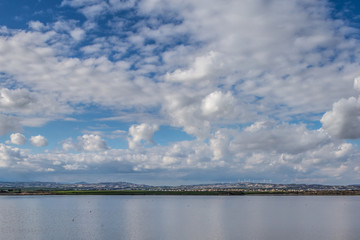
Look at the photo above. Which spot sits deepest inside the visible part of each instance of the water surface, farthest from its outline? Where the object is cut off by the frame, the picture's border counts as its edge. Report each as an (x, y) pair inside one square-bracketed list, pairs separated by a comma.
[(180, 217)]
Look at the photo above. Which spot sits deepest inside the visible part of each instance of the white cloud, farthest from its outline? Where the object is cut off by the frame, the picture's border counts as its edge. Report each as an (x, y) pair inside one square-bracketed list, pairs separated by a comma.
[(256, 126), (280, 138), (201, 68), (255, 46), (218, 104), (78, 34), (318, 159), (142, 132), (344, 149), (17, 138), (91, 9), (92, 143), (87, 143), (37, 25), (68, 145), (17, 98), (9, 156), (343, 121), (185, 111), (191, 158), (220, 145), (38, 141), (216, 55), (71, 80)]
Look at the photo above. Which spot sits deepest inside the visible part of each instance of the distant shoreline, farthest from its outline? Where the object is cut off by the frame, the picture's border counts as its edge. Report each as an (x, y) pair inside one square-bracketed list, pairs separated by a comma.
[(182, 193), (216, 189)]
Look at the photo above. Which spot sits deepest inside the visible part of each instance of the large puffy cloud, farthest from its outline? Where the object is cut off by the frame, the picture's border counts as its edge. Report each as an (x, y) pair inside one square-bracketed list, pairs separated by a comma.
[(17, 138), (218, 104), (199, 113), (38, 141), (185, 111), (142, 132), (343, 121)]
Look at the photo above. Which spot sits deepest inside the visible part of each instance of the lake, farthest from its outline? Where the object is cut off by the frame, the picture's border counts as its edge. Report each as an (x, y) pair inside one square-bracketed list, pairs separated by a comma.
[(180, 217)]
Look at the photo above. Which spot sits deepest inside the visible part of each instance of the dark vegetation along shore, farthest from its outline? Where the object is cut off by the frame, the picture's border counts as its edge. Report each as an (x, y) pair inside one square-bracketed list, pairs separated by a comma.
[(123, 188)]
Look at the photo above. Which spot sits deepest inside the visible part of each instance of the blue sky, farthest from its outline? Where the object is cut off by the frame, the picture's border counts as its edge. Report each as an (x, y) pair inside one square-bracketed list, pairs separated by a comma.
[(179, 92)]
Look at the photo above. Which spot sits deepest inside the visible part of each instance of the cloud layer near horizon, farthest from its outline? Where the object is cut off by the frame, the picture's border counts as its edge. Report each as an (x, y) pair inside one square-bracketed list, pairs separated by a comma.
[(246, 80)]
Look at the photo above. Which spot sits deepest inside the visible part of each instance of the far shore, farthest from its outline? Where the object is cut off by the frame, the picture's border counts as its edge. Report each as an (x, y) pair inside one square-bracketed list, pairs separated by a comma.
[(164, 192)]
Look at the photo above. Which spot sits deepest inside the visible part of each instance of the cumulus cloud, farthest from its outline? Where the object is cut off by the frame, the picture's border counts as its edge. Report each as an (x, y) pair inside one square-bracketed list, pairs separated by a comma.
[(92, 143), (218, 104), (343, 121), (220, 145), (140, 133), (17, 98), (87, 143), (17, 138), (201, 67), (185, 111), (9, 156), (279, 137), (199, 113), (343, 150), (38, 141)]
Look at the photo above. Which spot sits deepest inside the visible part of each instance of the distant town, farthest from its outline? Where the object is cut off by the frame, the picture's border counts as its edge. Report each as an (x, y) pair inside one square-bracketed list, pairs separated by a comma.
[(125, 188)]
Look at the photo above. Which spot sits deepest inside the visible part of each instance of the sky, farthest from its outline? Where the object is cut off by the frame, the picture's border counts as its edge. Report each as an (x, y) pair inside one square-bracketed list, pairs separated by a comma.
[(173, 92)]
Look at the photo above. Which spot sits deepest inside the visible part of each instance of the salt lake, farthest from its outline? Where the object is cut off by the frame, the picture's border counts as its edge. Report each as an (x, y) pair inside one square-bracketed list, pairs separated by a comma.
[(180, 217)]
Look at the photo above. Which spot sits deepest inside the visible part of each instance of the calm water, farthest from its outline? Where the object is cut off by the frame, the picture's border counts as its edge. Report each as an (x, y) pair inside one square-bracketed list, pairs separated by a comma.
[(180, 217)]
